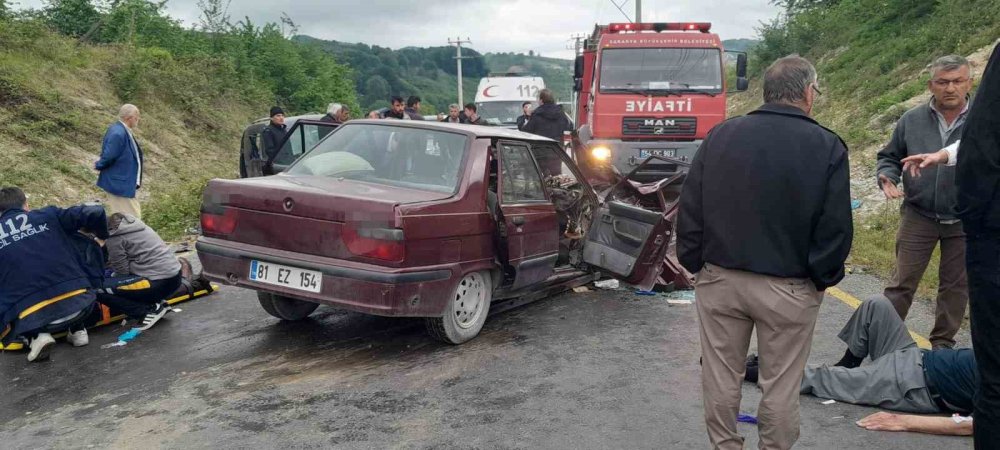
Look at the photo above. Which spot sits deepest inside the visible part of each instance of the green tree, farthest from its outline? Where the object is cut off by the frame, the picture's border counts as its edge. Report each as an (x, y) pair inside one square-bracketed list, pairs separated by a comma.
[(376, 89), (71, 17)]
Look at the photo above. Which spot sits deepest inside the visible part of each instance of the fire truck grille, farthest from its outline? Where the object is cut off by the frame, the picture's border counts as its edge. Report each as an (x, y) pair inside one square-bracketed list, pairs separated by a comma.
[(663, 126)]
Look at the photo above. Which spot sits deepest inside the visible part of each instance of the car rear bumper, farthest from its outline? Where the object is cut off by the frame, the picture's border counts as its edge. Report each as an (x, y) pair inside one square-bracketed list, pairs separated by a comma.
[(384, 291)]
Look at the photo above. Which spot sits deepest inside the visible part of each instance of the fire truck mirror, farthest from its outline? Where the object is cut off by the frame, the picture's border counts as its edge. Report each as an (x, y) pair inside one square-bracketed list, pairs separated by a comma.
[(741, 66), (578, 67)]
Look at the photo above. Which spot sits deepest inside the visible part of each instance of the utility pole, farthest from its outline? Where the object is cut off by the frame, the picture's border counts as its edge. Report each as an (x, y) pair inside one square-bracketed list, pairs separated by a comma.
[(458, 57), (638, 11)]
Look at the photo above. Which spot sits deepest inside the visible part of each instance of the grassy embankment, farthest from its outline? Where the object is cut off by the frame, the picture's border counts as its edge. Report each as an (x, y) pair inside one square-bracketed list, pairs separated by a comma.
[(872, 58), (57, 98)]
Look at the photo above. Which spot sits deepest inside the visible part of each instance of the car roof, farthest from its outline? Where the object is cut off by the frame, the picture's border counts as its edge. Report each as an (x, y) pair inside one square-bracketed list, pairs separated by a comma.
[(289, 120), (474, 131)]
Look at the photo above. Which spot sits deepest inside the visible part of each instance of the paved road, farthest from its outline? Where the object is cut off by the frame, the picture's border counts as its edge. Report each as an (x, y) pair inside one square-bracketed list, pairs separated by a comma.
[(586, 371)]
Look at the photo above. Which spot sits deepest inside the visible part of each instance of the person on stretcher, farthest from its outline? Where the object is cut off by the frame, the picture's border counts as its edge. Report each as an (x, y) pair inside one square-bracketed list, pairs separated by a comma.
[(145, 271)]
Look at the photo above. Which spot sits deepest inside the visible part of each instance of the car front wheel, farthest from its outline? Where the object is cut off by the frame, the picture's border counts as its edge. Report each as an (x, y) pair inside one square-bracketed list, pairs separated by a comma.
[(466, 311), (285, 308)]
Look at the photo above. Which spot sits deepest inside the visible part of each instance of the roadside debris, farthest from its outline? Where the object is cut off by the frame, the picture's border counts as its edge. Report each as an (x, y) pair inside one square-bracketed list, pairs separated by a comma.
[(746, 419), (829, 402), (679, 302), (644, 293), (124, 338), (581, 289), (607, 284), (855, 204)]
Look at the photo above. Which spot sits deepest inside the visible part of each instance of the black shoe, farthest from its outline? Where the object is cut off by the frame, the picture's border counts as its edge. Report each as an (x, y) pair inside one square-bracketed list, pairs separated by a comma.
[(753, 368), (849, 360)]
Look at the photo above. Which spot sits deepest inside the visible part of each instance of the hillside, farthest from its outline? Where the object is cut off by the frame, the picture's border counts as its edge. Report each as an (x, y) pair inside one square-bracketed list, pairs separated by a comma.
[(66, 69), (872, 58), (431, 72)]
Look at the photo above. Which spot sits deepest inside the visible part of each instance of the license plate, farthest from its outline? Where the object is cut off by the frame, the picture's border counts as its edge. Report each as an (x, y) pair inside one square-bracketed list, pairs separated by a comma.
[(666, 152), (291, 277)]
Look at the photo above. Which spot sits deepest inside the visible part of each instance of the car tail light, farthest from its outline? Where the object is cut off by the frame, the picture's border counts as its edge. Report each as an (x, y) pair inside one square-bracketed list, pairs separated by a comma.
[(703, 27), (217, 222), (386, 244)]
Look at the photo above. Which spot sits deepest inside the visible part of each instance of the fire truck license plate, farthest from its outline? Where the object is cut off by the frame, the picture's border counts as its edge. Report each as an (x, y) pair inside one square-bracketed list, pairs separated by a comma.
[(292, 277), (666, 152)]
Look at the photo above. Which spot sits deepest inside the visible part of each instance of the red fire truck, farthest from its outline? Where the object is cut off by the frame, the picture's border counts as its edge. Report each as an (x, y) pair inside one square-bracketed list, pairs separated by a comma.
[(648, 89)]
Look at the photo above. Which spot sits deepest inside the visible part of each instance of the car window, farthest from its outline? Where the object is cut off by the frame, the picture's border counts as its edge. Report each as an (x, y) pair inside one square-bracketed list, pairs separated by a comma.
[(519, 176), (302, 138), (397, 156)]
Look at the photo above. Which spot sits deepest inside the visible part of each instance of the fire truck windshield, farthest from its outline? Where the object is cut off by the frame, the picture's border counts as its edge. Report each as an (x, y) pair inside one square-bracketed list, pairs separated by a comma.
[(639, 70)]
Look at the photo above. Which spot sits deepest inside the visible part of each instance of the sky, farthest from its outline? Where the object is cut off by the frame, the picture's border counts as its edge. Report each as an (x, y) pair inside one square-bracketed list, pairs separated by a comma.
[(544, 26)]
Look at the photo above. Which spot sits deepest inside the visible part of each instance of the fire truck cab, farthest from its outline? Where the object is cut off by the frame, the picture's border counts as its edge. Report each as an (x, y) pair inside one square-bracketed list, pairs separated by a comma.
[(650, 89)]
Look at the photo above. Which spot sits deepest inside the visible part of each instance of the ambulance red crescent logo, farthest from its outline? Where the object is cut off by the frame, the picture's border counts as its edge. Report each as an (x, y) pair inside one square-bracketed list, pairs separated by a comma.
[(486, 92)]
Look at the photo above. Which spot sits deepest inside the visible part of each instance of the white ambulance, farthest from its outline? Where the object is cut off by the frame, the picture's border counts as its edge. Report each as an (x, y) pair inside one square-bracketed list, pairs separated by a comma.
[(500, 96)]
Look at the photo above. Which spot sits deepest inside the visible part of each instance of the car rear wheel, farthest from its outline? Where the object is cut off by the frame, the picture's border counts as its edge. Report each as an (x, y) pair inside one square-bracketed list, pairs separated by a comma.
[(285, 308), (466, 311)]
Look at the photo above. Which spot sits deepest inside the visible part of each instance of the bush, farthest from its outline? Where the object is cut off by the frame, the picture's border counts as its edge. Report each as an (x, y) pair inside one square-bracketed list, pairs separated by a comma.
[(174, 212)]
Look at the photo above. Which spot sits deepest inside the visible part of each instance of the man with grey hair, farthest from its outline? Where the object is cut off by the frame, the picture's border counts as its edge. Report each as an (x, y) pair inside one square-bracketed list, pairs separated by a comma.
[(929, 209), (336, 114), (765, 222), (121, 163), (454, 114)]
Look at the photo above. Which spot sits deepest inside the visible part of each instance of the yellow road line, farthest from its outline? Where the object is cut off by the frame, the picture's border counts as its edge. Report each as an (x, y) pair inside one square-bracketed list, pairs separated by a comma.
[(853, 302)]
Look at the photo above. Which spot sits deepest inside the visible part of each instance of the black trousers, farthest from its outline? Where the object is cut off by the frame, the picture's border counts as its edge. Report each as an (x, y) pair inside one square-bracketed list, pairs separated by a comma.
[(983, 262), (136, 303)]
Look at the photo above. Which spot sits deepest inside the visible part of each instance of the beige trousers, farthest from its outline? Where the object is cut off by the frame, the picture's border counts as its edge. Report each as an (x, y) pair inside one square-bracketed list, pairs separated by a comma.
[(730, 304), (124, 205)]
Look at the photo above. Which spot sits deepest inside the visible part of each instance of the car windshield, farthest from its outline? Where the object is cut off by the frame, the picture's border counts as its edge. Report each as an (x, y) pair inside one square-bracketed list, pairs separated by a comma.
[(661, 69), (500, 112), (413, 158)]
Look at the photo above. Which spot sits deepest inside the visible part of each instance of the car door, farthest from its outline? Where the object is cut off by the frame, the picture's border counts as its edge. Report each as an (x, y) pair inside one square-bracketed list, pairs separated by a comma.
[(628, 241), (302, 137), (530, 227)]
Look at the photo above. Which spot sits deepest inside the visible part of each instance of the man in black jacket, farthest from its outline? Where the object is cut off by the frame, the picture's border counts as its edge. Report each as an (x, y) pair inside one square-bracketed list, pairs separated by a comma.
[(273, 133), (548, 119), (413, 108), (522, 120), (765, 220)]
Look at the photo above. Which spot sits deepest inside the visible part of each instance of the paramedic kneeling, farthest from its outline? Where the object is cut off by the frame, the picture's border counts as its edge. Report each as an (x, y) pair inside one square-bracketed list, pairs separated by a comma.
[(44, 288)]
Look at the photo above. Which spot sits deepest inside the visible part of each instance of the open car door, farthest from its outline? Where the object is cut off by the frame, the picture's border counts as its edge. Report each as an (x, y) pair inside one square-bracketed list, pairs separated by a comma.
[(303, 136), (633, 229), (528, 222)]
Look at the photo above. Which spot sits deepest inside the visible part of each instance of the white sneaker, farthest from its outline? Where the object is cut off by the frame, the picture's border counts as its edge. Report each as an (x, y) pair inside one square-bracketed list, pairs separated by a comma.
[(40, 347), (78, 338), (161, 309)]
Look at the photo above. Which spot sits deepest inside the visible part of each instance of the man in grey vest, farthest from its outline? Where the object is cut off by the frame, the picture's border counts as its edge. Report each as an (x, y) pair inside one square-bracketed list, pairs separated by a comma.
[(929, 213)]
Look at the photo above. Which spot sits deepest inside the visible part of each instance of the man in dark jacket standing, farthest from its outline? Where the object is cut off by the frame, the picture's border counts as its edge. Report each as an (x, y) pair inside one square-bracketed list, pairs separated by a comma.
[(272, 135), (929, 211), (121, 163), (42, 278), (522, 120), (413, 108), (472, 115), (765, 221), (548, 119)]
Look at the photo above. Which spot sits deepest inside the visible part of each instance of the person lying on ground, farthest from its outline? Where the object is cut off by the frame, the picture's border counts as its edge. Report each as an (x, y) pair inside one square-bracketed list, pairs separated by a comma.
[(136, 250), (901, 377), (45, 288)]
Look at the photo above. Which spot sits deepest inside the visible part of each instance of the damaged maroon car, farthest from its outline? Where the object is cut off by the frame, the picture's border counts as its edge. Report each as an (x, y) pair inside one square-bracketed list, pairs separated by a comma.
[(433, 220)]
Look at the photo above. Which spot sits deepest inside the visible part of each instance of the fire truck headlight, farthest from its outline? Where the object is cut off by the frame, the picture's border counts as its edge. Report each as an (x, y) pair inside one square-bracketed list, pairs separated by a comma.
[(601, 153)]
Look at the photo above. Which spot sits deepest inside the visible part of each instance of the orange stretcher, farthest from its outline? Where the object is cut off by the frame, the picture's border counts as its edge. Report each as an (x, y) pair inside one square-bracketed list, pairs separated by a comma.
[(107, 318)]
